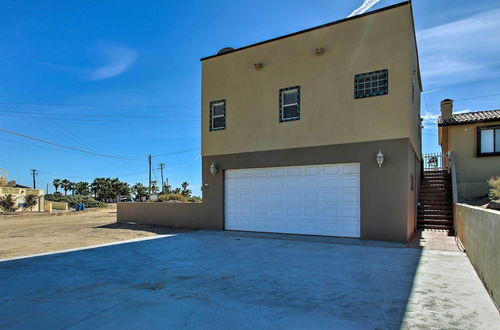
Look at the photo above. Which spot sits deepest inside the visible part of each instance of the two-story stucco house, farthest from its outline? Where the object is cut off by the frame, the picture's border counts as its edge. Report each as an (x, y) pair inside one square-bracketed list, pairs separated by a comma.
[(293, 126), (474, 138), (316, 132)]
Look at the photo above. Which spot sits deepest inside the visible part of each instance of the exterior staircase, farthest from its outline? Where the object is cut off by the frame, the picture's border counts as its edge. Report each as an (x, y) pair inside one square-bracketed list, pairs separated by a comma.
[(435, 200)]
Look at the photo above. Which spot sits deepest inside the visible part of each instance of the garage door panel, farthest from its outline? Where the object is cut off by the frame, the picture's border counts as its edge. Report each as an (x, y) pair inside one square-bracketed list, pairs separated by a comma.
[(350, 169), (311, 197), (317, 200)]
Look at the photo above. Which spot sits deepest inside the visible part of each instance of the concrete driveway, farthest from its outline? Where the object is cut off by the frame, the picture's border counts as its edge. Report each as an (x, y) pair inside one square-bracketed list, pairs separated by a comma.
[(222, 280)]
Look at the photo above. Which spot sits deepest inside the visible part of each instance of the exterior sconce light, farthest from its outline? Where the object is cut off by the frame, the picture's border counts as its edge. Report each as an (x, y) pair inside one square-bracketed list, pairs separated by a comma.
[(319, 51), (380, 158), (258, 66), (213, 169)]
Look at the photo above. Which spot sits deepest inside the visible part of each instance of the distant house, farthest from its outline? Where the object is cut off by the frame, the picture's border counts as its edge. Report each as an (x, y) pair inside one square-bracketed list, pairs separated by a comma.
[(19, 192), (474, 137)]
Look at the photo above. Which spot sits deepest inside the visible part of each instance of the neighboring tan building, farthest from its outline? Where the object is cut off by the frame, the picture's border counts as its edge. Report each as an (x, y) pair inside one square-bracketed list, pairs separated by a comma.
[(291, 130), (19, 192), (474, 137)]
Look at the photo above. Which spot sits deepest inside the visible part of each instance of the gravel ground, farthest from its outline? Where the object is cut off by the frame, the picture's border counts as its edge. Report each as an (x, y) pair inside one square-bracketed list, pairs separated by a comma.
[(22, 235)]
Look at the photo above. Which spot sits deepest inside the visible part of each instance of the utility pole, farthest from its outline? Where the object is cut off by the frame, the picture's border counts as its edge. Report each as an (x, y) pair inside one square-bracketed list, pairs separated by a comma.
[(149, 161), (34, 173), (47, 191), (162, 166)]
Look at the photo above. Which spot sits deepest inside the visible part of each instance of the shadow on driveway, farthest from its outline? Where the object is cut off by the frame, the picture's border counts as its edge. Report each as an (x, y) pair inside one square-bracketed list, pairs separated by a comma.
[(203, 280)]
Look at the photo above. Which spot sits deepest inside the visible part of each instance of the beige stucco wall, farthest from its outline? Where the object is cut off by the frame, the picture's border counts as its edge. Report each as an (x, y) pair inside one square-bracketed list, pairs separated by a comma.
[(478, 230), (329, 112), (387, 204), (60, 206), (19, 193), (472, 171)]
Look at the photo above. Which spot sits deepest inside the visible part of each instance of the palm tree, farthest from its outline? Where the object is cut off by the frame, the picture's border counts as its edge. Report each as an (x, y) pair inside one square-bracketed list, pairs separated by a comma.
[(139, 191), (66, 185), (155, 190), (185, 191), (56, 183), (82, 188)]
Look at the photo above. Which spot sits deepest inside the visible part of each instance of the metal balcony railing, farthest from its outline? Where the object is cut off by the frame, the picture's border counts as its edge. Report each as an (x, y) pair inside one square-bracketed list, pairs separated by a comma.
[(436, 162)]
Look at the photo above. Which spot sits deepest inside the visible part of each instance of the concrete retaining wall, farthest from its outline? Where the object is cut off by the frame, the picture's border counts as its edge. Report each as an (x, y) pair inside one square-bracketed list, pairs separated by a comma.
[(184, 215), (479, 232), (59, 206)]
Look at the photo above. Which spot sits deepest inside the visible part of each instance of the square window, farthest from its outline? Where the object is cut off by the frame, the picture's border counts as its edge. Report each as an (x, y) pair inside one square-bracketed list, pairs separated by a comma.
[(217, 115), (371, 84), (488, 143), (291, 111), (289, 102), (290, 97)]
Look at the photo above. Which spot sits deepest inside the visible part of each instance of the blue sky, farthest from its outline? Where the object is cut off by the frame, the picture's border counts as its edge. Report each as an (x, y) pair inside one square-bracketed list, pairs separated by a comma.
[(137, 64)]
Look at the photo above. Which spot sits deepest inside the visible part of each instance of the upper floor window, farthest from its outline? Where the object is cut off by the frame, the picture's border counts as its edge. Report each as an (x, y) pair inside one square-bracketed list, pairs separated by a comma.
[(290, 103), (371, 84), (488, 140), (217, 115)]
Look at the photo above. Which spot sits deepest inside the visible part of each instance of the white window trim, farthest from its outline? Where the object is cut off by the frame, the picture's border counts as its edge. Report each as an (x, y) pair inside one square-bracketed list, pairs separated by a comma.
[(494, 130), (217, 116), (283, 105)]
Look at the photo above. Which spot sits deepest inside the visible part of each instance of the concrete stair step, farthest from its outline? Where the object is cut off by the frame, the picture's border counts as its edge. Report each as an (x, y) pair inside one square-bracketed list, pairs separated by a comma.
[(447, 208), (439, 227), (433, 212)]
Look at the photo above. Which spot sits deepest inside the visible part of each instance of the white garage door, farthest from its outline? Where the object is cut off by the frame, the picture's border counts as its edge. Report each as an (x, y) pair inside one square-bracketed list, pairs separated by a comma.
[(314, 200)]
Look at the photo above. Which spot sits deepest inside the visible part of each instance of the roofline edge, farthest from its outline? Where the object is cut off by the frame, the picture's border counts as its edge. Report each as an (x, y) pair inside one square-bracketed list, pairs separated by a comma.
[(408, 2)]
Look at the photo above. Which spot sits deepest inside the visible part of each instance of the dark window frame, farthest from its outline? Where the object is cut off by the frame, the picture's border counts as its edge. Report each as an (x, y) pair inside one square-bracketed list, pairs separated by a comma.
[(369, 74), (478, 140), (281, 105), (211, 118)]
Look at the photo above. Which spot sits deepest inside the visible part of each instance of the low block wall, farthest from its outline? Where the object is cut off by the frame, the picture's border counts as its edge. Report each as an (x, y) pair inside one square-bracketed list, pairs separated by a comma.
[(48, 207), (184, 215), (59, 206), (479, 232)]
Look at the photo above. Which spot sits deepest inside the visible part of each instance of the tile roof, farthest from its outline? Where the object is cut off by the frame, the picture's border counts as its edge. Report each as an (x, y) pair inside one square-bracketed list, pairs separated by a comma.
[(470, 118)]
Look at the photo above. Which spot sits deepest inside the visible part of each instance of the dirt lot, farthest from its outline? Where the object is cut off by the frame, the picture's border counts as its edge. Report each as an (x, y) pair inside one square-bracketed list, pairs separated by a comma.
[(32, 234)]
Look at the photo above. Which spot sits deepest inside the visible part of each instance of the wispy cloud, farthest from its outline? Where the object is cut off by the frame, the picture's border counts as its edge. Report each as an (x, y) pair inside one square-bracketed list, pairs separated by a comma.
[(429, 120), (116, 60), (462, 50), (367, 4)]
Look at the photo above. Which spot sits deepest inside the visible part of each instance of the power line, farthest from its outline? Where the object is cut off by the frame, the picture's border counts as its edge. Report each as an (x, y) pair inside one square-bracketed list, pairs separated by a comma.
[(91, 177), (75, 152), (102, 105), (37, 146), (477, 97), (94, 115), (176, 152), (108, 121), (65, 147)]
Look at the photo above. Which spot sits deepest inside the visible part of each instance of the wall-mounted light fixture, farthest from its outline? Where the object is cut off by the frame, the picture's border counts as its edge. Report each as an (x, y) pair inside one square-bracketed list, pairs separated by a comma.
[(319, 51), (258, 66), (380, 158), (213, 169)]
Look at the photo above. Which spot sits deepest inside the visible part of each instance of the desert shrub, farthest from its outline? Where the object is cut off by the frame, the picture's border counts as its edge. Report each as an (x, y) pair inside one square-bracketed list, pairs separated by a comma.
[(494, 187), (30, 201), (73, 200), (195, 199), (8, 203), (172, 197)]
